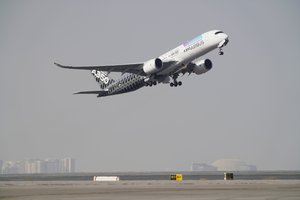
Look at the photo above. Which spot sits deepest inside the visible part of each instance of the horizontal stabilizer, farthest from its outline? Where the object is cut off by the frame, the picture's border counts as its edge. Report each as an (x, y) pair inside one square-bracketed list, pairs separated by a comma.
[(100, 93)]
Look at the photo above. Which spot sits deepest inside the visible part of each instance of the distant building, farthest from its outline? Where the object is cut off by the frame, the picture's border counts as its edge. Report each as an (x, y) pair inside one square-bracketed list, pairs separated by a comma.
[(233, 165), (51, 166), (11, 167), (202, 167), (36, 166), (67, 165)]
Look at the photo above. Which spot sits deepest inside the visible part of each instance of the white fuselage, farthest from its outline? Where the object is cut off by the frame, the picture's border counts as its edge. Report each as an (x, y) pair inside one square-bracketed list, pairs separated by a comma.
[(191, 50)]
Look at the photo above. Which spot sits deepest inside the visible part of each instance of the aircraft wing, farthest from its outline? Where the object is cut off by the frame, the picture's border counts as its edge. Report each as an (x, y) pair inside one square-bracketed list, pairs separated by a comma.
[(136, 68)]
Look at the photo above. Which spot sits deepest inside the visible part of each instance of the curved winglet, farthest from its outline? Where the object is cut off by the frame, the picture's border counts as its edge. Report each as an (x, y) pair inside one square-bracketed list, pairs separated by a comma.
[(72, 67)]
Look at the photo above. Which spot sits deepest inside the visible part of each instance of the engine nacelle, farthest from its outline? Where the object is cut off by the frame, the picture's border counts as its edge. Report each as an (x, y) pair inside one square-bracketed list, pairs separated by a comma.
[(152, 66), (202, 66)]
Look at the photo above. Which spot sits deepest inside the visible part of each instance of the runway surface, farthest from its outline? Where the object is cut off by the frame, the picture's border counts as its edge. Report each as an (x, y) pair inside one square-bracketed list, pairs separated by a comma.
[(158, 190)]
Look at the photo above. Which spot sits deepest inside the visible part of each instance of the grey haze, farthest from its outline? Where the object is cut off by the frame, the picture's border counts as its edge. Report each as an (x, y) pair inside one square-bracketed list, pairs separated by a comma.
[(246, 107)]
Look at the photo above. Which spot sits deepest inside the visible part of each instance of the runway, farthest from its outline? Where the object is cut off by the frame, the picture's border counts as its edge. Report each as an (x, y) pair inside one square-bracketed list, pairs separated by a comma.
[(158, 190)]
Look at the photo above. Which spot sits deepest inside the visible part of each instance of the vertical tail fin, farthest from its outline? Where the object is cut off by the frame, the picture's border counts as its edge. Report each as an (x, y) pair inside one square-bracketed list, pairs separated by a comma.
[(102, 78)]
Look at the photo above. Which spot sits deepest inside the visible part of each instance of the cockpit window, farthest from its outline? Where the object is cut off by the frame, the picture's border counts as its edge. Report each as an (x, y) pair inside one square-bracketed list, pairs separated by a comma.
[(216, 33)]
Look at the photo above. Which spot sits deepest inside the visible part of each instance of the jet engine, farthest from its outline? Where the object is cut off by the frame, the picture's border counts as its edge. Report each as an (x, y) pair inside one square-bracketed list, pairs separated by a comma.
[(152, 66), (201, 66)]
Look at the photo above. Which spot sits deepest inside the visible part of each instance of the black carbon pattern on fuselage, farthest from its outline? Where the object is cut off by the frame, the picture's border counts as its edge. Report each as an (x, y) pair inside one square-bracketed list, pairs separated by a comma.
[(127, 84)]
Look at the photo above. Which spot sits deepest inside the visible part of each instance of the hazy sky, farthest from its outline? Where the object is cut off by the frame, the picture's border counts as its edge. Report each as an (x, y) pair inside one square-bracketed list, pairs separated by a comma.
[(246, 107)]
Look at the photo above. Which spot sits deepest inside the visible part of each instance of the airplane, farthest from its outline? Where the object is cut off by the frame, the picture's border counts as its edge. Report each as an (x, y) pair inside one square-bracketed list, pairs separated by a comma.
[(179, 61)]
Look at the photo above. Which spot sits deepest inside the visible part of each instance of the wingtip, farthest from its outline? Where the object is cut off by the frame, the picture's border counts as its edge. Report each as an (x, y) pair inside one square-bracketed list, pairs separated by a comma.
[(77, 93), (57, 64)]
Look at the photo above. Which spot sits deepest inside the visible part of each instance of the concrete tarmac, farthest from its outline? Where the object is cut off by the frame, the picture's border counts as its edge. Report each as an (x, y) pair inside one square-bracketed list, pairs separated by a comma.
[(156, 190)]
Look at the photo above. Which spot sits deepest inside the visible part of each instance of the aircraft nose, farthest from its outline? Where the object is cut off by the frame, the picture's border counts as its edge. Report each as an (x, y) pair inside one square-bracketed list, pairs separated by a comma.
[(226, 38), (223, 40), (226, 41)]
